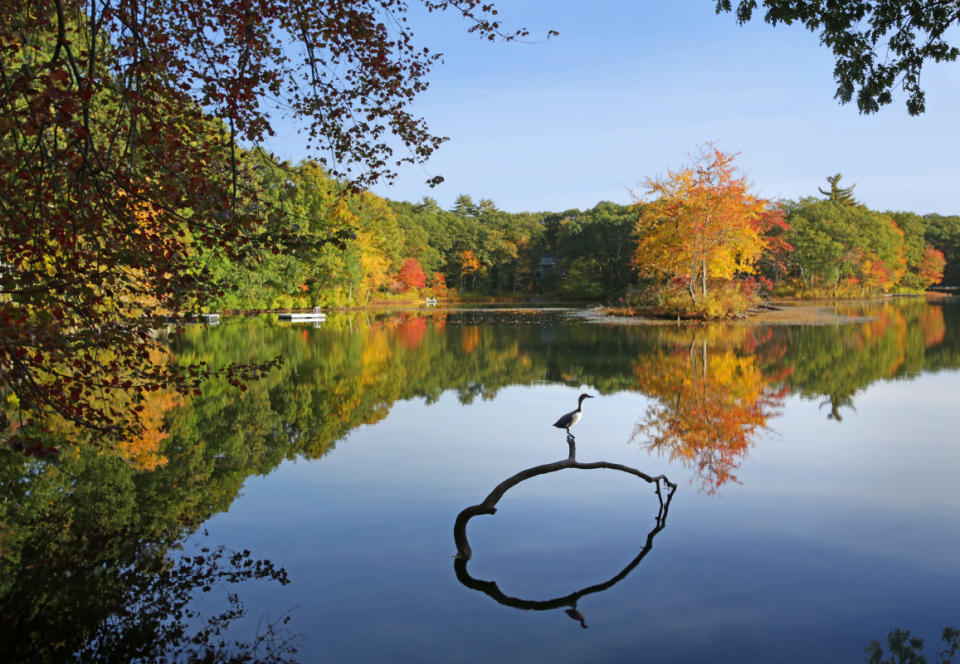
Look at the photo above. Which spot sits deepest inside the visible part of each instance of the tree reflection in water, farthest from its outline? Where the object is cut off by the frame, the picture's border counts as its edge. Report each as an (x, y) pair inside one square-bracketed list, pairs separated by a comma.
[(91, 566), (154, 620), (715, 388), (709, 404), (664, 490)]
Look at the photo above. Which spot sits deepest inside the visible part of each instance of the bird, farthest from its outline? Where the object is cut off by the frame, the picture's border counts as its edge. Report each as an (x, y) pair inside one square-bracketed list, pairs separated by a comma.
[(573, 416)]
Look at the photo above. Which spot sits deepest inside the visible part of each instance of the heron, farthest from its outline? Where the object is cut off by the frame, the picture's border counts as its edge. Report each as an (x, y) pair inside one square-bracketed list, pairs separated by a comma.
[(573, 416)]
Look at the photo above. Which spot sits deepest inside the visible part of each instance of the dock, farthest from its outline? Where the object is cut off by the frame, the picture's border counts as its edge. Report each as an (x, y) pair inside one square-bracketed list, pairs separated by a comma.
[(304, 317)]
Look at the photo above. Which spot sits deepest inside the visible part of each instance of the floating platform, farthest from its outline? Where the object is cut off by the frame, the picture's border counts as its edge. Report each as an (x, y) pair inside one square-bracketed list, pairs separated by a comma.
[(305, 317)]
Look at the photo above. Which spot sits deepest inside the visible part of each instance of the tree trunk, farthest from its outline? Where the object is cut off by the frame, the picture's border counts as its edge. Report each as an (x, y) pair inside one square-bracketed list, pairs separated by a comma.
[(703, 277), (703, 258), (693, 276)]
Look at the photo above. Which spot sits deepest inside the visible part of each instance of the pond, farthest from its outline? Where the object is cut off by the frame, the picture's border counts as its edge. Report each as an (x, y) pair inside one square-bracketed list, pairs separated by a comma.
[(733, 493)]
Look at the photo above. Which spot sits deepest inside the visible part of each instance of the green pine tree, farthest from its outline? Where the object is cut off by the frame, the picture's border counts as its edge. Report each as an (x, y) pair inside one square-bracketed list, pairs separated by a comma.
[(837, 193)]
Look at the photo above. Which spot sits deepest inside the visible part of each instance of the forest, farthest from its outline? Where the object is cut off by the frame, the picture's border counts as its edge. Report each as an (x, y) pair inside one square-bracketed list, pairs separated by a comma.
[(824, 245)]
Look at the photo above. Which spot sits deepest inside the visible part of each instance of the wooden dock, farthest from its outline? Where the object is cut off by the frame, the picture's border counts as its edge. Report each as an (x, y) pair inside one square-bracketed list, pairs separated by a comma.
[(303, 317)]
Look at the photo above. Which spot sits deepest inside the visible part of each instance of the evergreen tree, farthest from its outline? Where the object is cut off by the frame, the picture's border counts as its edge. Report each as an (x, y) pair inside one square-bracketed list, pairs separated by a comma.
[(838, 194)]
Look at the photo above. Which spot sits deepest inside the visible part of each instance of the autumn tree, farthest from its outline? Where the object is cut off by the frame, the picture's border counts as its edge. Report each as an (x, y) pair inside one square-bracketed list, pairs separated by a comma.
[(773, 263), (469, 264), (411, 275), (120, 131), (943, 233), (931, 267), (702, 222), (438, 284)]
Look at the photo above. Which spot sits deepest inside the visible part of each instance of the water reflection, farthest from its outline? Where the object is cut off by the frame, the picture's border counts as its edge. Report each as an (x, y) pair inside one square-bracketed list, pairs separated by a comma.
[(709, 402), (663, 488), (85, 544), (713, 385), (716, 388), (90, 569)]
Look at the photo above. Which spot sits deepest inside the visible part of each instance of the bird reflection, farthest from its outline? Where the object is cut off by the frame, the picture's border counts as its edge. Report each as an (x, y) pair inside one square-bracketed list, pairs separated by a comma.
[(663, 488), (576, 615)]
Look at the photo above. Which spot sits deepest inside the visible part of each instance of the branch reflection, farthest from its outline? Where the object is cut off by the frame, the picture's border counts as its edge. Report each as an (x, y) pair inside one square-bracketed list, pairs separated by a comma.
[(664, 490)]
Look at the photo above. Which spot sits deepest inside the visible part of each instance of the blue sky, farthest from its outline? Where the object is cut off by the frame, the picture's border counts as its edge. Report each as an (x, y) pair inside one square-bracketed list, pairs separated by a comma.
[(629, 89)]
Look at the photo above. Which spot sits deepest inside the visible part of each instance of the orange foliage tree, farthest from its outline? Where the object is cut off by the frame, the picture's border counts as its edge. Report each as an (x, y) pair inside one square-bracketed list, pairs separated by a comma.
[(469, 264), (931, 267), (702, 222), (438, 283)]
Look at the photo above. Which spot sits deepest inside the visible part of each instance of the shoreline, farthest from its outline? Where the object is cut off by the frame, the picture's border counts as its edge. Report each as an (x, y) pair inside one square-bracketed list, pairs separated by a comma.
[(775, 312), (778, 311)]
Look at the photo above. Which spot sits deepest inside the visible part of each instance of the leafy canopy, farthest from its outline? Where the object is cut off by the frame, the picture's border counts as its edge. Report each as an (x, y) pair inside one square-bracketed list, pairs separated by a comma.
[(878, 44)]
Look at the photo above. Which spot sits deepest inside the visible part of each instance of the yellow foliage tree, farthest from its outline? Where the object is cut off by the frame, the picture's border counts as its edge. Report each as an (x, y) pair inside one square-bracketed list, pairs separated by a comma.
[(376, 265), (702, 222)]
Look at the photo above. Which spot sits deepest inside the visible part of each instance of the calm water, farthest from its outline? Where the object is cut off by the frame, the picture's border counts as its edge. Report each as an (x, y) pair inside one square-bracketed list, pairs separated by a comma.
[(816, 507)]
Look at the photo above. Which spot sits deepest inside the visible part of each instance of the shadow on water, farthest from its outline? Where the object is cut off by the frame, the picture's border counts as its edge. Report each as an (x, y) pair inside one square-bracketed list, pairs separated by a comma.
[(663, 488)]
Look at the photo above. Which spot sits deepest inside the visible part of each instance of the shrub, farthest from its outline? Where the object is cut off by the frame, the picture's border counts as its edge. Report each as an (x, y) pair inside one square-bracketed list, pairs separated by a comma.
[(725, 299)]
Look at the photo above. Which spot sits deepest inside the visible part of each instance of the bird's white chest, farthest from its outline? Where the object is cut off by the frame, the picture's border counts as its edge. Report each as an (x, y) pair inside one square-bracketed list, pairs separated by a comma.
[(575, 418)]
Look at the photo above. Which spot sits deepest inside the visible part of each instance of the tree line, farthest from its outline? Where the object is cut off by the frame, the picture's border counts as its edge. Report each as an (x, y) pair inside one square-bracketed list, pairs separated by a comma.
[(828, 245), (384, 250)]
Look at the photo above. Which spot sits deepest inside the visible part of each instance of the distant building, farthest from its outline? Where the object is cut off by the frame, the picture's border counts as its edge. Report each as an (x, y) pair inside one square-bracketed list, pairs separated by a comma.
[(547, 265)]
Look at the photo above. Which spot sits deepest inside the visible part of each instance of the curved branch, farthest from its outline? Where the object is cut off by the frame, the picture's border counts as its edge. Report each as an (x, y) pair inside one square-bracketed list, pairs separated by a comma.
[(489, 506)]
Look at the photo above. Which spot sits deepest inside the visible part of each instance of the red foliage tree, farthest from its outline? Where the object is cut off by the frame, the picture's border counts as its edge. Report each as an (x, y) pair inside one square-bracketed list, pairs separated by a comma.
[(411, 275)]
